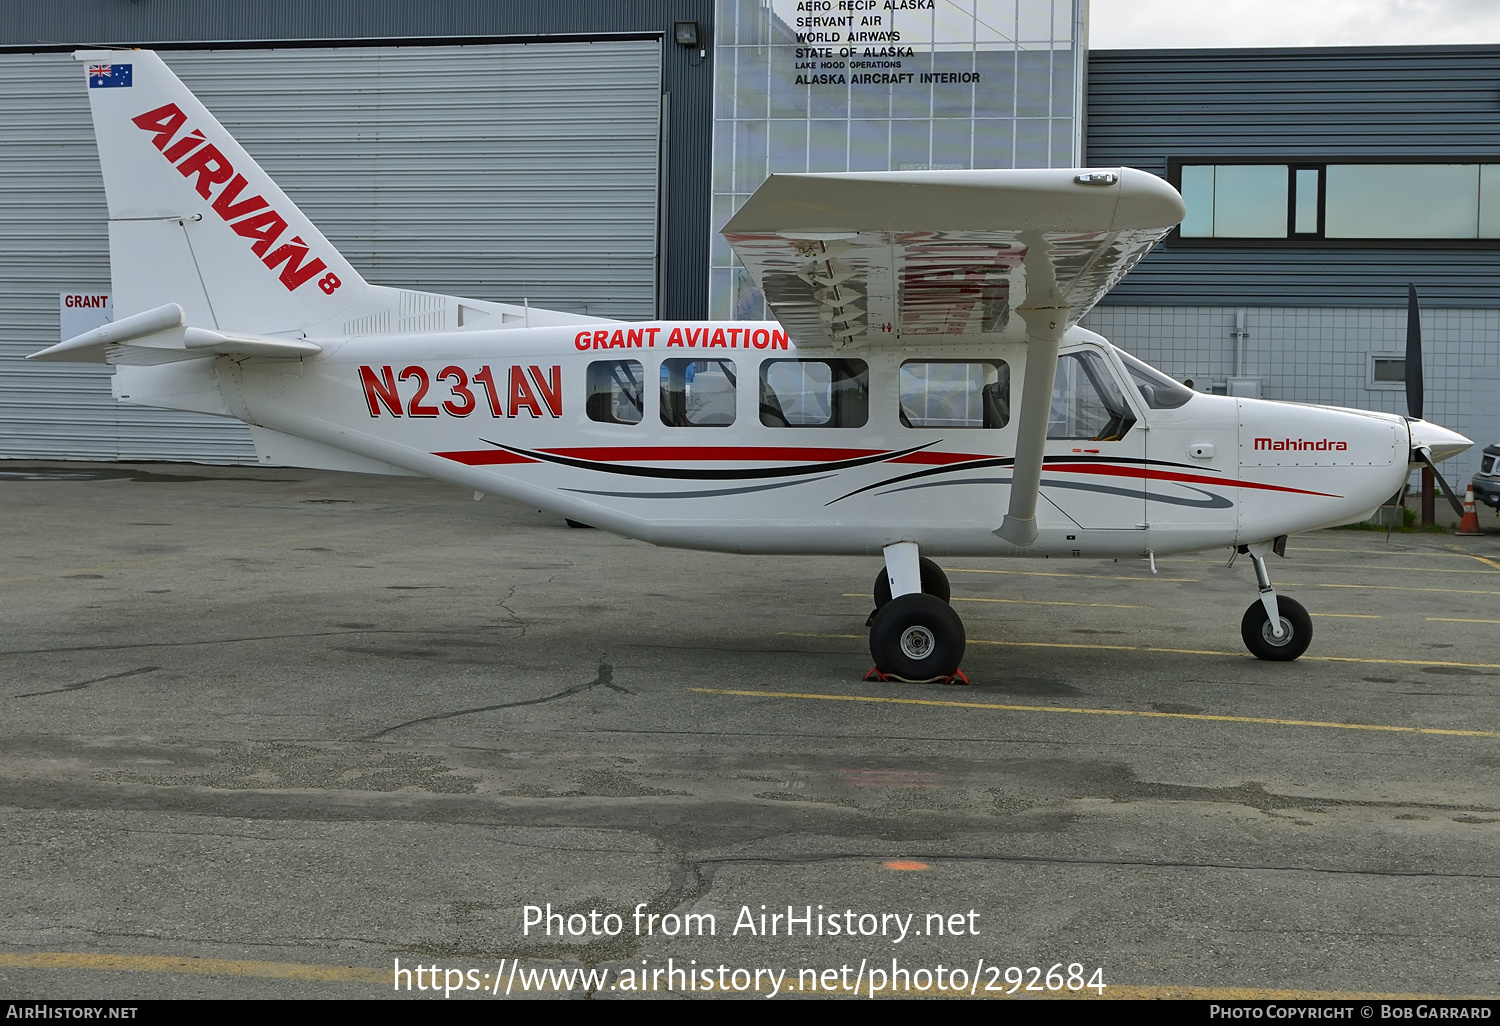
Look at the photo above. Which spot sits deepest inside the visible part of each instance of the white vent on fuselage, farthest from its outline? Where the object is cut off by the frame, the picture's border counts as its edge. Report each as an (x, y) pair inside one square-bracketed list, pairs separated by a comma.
[(371, 324), (423, 311), (468, 316)]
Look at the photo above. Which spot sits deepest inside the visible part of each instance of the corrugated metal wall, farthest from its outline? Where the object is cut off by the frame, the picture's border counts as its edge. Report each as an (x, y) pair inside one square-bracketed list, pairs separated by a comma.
[(54, 238), (1147, 106), (686, 78), (493, 171), (498, 172)]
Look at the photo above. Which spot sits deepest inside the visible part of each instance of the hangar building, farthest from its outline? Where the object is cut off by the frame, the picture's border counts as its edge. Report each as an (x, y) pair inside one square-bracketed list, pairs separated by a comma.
[(581, 155)]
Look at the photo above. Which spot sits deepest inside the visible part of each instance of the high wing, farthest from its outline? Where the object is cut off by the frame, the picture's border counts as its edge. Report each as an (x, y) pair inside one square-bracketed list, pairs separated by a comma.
[(858, 259), (862, 259)]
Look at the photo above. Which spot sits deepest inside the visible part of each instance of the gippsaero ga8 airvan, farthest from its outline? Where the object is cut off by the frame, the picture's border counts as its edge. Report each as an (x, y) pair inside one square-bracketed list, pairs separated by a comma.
[(925, 389)]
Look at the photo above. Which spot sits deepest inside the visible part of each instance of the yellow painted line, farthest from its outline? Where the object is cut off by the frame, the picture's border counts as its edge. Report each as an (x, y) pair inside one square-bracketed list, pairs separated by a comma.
[(137, 564), (196, 966), (1454, 619), (1095, 577), (1399, 662), (1167, 561), (1032, 602), (1391, 587), (1078, 710), (1486, 561), (1194, 580), (1180, 651), (1121, 605), (1109, 648), (1400, 569), (1375, 552), (1028, 602)]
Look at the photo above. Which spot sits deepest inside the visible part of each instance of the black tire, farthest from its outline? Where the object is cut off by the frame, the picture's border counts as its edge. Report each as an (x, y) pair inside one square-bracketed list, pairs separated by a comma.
[(1255, 628), (934, 582), (917, 637)]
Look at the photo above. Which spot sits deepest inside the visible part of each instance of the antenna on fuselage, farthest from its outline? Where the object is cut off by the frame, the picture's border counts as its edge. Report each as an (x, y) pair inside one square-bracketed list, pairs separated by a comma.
[(526, 304)]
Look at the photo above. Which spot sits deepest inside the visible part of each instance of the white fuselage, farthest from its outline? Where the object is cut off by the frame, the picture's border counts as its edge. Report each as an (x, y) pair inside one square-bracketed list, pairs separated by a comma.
[(506, 413)]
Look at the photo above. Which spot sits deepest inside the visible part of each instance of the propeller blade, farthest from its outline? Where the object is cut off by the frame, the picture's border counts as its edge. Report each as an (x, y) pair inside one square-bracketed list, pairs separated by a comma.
[(1423, 454), (1414, 385)]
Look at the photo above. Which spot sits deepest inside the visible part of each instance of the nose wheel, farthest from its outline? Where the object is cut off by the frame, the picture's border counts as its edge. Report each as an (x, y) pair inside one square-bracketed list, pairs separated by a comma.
[(1275, 627), (1261, 638)]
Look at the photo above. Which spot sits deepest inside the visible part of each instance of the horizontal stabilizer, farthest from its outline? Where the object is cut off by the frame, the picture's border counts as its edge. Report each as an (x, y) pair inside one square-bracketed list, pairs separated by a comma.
[(89, 347), (201, 340), (158, 336)]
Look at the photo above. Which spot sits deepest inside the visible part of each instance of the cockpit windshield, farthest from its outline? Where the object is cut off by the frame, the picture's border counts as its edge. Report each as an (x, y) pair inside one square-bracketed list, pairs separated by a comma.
[(1159, 391)]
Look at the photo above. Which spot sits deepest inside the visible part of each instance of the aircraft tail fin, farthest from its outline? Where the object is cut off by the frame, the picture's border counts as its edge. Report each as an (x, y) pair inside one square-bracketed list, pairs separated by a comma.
[(194, 220)]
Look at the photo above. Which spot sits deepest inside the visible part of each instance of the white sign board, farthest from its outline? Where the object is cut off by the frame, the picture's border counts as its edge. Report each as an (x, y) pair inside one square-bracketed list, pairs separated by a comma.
[(78, 312)]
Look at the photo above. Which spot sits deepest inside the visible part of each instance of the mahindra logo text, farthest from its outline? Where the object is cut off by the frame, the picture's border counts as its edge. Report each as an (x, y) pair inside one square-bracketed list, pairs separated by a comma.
[(195, 157), (1299, 445)]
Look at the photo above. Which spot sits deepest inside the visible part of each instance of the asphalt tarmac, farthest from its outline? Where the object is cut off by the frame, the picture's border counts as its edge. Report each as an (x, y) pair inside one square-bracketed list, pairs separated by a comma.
[(266, 732)]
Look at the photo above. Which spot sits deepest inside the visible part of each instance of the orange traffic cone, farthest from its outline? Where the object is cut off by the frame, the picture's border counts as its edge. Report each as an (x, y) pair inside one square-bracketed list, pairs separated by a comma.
[(1470, 522)]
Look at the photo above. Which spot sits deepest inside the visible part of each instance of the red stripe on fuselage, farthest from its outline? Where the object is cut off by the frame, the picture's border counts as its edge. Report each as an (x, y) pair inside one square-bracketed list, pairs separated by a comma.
[(683, 454), (1152, 474), (938, 459), (484, 457), (701, 453)]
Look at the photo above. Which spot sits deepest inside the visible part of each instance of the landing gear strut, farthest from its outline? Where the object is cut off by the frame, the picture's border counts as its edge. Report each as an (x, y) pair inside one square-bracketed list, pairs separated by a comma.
[(1276, 627), (934, 583), (914, 634)]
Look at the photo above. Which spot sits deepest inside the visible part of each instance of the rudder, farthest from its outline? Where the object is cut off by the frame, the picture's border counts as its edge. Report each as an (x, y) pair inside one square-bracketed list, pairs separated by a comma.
[(193, 218)]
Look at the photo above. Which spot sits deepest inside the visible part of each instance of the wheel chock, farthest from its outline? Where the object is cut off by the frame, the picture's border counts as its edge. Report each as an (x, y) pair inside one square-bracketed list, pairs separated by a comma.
[(876, 674)]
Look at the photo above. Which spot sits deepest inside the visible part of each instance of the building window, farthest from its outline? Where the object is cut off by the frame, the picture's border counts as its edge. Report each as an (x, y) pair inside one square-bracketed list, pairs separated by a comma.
[(1387, 371), (1332, 201), (615, 394), (814, 393), (808, 85), (954, 394), (1236, 201), (697, 393)]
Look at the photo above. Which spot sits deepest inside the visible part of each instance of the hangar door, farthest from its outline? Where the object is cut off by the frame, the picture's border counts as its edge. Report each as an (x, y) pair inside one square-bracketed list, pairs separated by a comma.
[(506, 172)]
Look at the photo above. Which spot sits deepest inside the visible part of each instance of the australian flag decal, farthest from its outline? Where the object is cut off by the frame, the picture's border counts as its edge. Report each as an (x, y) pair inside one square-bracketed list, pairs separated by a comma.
[(109, 76)]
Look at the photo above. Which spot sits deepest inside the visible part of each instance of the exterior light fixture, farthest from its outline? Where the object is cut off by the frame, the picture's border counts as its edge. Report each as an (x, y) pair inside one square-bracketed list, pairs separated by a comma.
[(685, 33)]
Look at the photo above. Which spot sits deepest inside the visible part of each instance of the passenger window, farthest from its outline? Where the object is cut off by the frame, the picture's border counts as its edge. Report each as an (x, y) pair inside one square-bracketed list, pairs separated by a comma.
[(697, 393), (615, 394), (1086, 403), (814, 393), (954, 394)]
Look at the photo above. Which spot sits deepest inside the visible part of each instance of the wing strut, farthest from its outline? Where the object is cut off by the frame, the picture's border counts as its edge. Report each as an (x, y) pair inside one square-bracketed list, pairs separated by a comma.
[(1044, 331)]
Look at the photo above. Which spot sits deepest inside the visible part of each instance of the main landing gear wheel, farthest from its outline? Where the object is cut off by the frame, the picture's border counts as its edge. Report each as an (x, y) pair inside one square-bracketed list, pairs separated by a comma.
[(917, 637), (934, 583), (1296, 626)]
